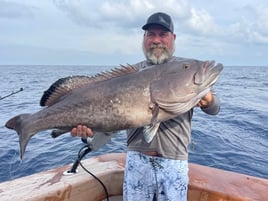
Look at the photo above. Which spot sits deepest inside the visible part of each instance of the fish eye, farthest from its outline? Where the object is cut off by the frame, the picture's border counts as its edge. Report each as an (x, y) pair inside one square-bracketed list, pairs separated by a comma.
[(186, 66)]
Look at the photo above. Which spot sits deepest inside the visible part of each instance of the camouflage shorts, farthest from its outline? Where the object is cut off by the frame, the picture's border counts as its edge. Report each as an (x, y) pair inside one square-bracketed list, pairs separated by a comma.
[(149, 178)]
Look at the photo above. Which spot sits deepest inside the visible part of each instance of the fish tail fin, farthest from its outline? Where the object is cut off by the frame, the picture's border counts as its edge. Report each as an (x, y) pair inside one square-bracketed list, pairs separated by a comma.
[(150, 131), (17, 123)]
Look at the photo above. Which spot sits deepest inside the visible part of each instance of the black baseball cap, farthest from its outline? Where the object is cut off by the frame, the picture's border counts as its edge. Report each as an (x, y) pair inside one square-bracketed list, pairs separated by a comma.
[(161, 19)]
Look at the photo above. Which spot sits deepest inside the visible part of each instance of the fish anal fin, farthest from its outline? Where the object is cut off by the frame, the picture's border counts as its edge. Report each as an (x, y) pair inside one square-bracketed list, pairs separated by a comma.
[(99, 139)]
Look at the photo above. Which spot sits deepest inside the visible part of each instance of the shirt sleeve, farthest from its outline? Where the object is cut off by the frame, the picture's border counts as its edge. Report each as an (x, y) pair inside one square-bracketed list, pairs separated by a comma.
[(214, 107)]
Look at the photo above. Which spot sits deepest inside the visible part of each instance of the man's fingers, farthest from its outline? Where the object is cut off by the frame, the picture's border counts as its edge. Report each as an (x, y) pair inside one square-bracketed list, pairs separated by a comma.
[(74, 132), (81, 131)]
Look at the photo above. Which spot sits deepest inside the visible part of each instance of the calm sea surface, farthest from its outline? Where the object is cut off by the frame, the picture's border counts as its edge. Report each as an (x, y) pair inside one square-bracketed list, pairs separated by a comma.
[(236, 139)]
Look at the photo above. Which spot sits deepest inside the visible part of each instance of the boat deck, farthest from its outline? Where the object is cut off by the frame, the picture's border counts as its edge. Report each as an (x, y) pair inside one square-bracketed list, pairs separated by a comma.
[(205, 183)]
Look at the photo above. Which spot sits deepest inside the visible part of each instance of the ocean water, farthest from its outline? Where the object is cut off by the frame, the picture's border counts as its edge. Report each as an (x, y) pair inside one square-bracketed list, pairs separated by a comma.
[(235, 140)]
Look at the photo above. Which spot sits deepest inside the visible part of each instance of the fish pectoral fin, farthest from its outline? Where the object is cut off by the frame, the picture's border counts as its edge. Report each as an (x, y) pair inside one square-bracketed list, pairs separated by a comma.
[(150, 131), (155, 110), (177, 108), (57, 132), (99, 139)]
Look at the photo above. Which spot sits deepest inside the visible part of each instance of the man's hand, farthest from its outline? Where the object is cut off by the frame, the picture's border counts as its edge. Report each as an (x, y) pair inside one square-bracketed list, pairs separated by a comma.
[(82, 131), (206, 100)]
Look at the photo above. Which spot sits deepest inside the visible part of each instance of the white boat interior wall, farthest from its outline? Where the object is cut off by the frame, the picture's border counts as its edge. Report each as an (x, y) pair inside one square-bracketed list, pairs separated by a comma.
[(206, 183)]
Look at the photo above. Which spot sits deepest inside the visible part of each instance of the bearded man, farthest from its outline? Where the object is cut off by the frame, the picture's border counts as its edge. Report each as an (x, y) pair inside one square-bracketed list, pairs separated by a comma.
[(159, 170)]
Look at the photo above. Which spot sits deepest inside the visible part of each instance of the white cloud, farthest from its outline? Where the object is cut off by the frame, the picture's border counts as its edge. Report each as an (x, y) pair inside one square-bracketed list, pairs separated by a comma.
[(261, 33), (128, 14), (205, 29), (262, 19), (120, 43), (14, 10), (202, 22), (142, 8), (81, 12), (251, 28)]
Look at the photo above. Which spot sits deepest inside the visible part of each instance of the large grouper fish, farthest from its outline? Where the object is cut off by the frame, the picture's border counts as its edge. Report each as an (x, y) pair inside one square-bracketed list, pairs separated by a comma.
[(122, 98)]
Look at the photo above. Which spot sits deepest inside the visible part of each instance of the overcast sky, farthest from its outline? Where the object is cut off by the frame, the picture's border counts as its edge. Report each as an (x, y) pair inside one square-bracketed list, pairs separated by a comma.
[(108, 32)]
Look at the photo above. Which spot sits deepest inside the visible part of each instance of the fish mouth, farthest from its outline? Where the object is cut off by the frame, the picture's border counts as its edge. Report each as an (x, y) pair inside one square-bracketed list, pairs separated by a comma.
[(213, 72), (208, 74)]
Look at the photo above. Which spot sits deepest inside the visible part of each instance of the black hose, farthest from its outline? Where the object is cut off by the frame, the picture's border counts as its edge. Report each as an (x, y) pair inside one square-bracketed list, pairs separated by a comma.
[(82, 152)]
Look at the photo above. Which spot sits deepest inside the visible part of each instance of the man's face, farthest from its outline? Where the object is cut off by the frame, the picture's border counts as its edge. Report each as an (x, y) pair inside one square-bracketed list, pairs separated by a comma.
[(158, 44)]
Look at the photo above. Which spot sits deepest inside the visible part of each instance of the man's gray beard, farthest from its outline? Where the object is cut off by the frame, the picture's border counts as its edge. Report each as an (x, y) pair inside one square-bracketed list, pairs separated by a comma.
[(166, 55)]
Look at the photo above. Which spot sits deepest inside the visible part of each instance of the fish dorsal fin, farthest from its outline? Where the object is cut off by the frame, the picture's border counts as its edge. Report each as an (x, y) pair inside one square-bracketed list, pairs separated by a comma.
[(61, 87), (116, 72), (64, 85)]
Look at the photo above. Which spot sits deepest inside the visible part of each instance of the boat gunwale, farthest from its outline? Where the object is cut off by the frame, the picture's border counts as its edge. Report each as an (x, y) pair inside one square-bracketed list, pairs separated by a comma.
[(205, 183)]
